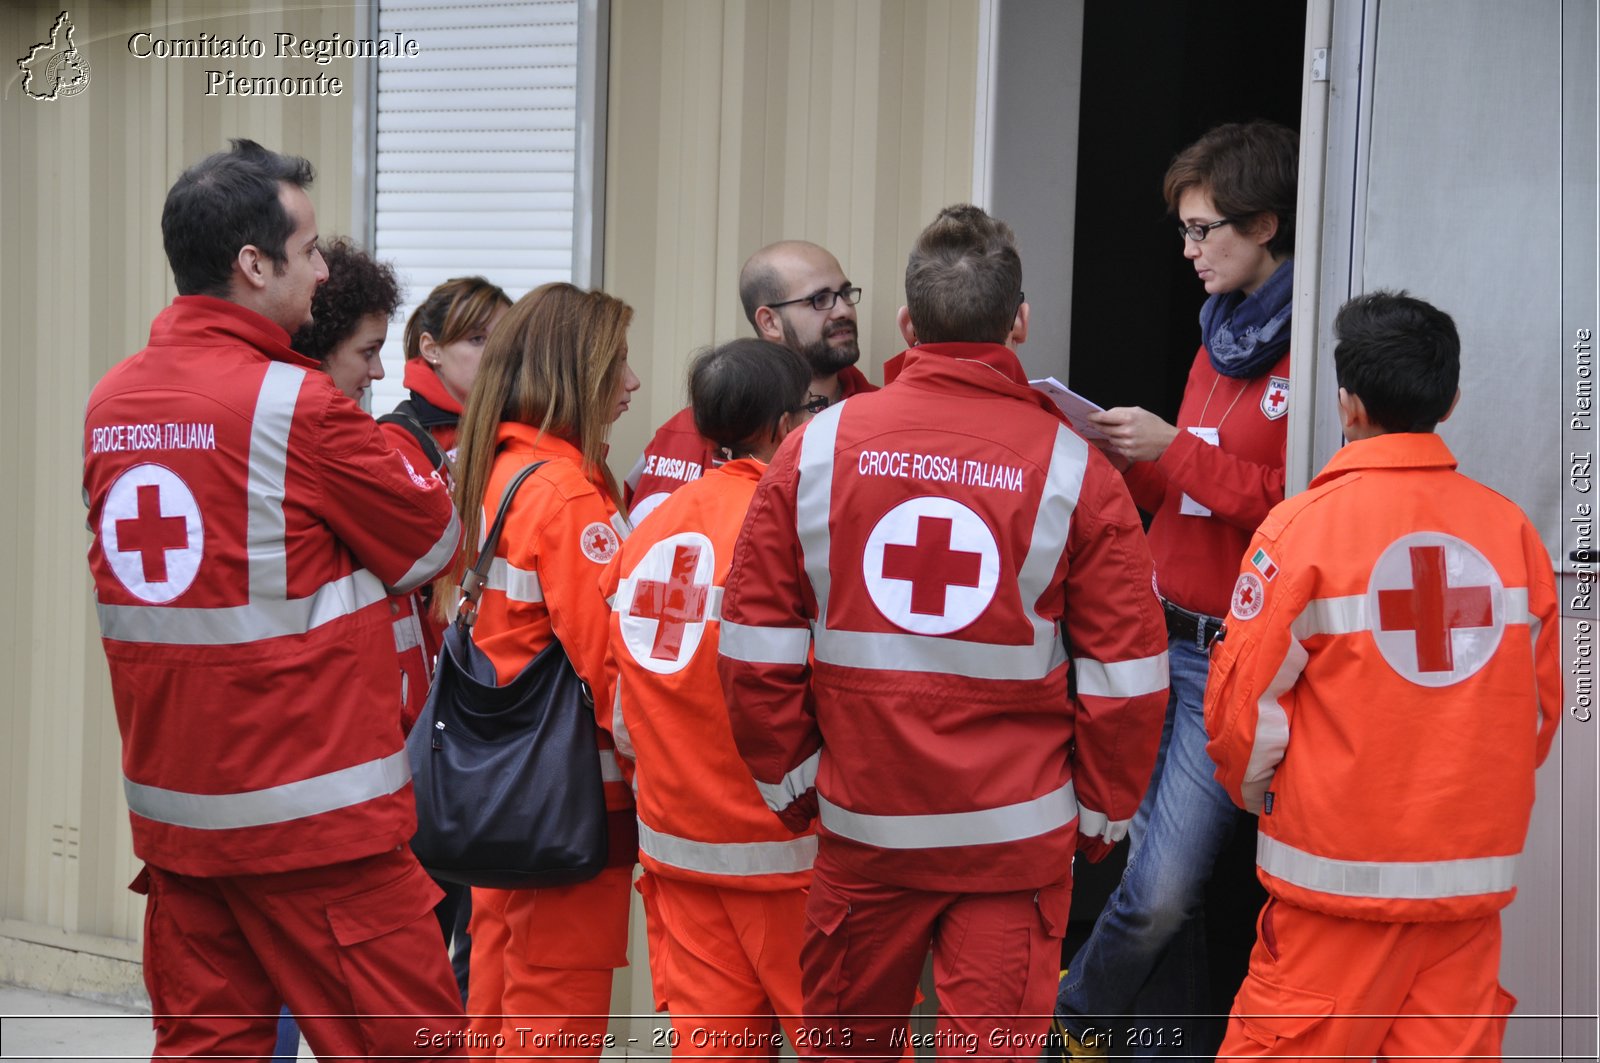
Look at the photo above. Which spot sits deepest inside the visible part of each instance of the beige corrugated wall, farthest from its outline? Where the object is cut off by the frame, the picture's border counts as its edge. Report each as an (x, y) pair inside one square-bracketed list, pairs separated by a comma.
[(82, 180), (734, 123)]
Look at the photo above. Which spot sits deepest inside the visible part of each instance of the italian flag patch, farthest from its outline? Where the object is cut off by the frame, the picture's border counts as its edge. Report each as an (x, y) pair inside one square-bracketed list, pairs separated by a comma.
[(1264, 565)]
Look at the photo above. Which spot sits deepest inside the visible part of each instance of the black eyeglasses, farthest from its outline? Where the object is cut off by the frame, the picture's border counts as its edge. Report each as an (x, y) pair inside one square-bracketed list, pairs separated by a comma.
[(1198, 233), (824, 299), (816, 404)]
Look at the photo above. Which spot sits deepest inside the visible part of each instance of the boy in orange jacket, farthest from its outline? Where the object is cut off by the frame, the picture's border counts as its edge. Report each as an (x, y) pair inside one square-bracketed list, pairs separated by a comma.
[(1389, 682)]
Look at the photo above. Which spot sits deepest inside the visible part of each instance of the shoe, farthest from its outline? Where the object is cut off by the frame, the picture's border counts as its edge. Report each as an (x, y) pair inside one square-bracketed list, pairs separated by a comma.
[(1071, 1046)]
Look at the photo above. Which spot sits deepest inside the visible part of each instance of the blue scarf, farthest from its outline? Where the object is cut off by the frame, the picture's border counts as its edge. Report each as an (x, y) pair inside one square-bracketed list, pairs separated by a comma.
[(1245, 335)]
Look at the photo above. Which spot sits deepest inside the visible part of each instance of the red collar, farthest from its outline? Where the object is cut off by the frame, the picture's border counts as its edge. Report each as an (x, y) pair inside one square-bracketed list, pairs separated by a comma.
[(988, 366), (206, 321), (1392, 450), (424, 380)]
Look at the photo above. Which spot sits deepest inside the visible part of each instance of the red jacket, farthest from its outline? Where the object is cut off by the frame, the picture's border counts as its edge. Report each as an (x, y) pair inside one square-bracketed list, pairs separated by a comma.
[(438, 410), (544, 582), (678, 453), (1389, 681), (1239, 480), (247, 518), (945, 547), (701, 817)]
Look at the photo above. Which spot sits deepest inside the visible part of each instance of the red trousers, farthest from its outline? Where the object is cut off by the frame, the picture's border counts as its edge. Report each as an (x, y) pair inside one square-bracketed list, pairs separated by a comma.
[(996, 957), (541, 967), (1328, 988), (353, 949), (726, 963)]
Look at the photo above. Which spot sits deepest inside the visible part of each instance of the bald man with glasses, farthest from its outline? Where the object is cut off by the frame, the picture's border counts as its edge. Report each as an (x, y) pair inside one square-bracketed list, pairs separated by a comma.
[(795, 294)]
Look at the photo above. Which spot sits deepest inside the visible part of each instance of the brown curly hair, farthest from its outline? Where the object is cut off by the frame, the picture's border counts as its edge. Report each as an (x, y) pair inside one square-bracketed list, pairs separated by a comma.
[(357, 285)]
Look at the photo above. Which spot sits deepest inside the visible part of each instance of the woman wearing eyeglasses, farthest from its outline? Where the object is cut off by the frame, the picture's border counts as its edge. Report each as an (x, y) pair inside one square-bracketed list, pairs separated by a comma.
[(554, 377), (1209, 480)]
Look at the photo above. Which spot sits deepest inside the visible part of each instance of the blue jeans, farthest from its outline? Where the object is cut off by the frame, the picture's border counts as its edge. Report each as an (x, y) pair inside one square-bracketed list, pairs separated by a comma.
[(1146, 954)]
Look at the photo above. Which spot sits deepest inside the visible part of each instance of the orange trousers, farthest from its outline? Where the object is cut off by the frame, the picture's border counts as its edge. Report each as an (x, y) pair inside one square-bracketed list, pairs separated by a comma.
[(541, 967), (726, 963), (1328, 988), (352, 948)]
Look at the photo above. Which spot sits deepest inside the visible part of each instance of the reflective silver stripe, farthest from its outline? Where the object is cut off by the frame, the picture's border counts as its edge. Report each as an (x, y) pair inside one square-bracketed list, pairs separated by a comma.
[(238, 624), (988, 826), (941, 654), (438, 556), (621, 524), (1121, 679), (783, 793), (276, 804), (1069, 460), (1092, 824), (517, 584), (1349, 614), (729, 858), (407, 633), (609, 770), (1422, 880), (814, 504), (1271, 736), (265, 528), (765, 645)]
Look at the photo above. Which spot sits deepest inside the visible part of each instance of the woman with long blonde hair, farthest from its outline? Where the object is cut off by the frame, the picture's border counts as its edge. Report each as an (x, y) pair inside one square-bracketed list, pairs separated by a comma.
[(554, 377)]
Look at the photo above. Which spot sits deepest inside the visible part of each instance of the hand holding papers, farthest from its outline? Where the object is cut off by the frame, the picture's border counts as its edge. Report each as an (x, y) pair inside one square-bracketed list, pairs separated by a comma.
[(1075, 406)]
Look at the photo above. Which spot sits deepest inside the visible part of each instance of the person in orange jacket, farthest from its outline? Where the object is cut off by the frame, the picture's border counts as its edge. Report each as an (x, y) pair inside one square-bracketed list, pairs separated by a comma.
[(1389, 681), (554, 377), (725, 883)]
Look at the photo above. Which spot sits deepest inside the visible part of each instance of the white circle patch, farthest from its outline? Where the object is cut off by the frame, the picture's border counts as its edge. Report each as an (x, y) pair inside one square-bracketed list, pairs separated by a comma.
[(1437, 607), (599, 542), (931, 565), (152, 533), (645, 506), (1248, 596), (670, 598)]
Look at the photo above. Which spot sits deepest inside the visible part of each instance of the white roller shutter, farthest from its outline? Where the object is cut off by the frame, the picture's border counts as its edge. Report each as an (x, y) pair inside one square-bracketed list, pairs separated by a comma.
[(476, 142)]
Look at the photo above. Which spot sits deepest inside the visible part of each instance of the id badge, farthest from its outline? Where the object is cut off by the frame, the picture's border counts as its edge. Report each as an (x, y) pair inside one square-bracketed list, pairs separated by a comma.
[(1189, 507)]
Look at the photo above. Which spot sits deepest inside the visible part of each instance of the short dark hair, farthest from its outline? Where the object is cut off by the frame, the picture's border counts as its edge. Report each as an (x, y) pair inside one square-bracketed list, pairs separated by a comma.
[(964, 278), (1248, 169), (741, 390), (222, 203), (1400, 356), (357, 285), (759, 285)]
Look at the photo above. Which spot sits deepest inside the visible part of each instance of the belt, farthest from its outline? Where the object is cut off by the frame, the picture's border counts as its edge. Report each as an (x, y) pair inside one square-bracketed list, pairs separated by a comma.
[(1196, 628)]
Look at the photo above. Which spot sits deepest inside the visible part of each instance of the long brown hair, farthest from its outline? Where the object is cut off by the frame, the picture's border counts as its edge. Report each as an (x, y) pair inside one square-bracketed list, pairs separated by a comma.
[(554, 361)]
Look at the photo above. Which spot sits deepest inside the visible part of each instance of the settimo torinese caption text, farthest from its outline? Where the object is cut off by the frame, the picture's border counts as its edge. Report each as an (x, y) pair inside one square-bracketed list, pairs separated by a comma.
[(284, 47)]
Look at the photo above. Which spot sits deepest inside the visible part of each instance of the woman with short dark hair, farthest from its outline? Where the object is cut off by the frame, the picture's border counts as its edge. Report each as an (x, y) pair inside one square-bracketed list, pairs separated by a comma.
[(1208, 481)]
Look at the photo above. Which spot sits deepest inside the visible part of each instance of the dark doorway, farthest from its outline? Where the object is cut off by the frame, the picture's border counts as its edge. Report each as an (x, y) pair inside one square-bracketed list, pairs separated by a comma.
[(1156, 75)]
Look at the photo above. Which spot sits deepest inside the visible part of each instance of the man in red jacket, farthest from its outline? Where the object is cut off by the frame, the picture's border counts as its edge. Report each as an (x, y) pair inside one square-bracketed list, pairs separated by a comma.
[(796, 295), (249, 525), (921, 571)]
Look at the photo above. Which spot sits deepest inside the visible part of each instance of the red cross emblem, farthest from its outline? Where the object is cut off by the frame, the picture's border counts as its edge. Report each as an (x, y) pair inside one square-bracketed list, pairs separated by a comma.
[(931, 565), (664, 621), (1433, 602), (1432, 609), (672, 604), (151, 535), (151, 532), (1275, 399)]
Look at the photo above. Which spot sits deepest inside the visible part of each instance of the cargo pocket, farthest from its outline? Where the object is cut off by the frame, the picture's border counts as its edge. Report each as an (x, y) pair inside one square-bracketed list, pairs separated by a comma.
[(1280, 1018), (660, 948), (825, 949), (393, 960), (162, 1007), (1054, 905), (1504, 1005)]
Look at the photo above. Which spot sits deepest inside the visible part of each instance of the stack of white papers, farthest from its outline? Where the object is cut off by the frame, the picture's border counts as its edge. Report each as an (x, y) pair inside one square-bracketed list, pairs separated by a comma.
[(1075, 406)]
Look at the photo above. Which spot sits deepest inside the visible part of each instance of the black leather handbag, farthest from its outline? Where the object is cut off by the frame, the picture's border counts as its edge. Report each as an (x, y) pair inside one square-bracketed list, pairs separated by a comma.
[(507, 777)]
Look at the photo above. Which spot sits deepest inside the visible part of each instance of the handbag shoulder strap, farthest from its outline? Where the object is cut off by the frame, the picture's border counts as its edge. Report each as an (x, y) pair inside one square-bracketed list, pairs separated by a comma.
[(473, 579)]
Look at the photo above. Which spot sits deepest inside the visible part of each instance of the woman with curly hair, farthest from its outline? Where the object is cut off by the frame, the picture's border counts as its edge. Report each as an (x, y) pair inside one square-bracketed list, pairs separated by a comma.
[(554, 377)]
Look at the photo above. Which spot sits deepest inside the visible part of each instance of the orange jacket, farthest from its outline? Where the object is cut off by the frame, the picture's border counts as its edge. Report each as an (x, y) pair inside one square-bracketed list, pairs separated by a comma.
[(544, 582), (1389, 681), (700, 815)]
